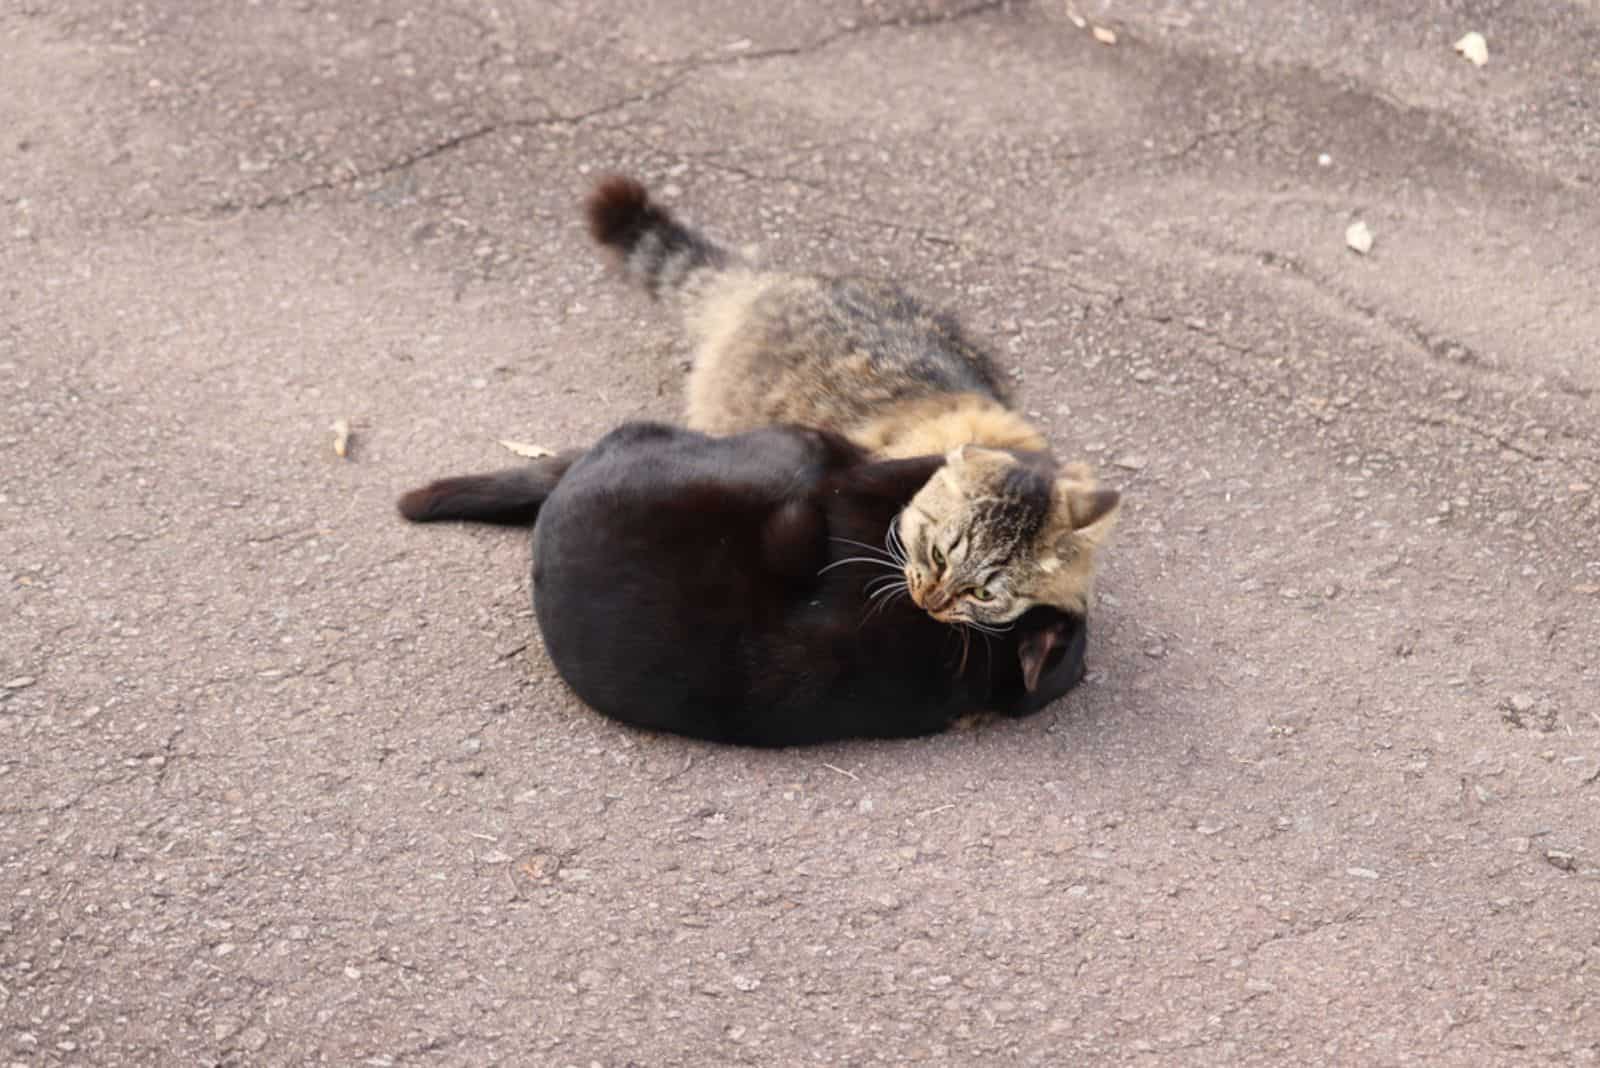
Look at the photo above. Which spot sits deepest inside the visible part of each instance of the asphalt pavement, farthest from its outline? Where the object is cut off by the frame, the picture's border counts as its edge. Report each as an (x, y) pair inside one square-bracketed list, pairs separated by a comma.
[(284, 780)]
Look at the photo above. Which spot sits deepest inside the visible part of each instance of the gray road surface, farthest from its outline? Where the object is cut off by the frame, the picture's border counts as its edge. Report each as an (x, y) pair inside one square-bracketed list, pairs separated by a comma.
[(285, 781)]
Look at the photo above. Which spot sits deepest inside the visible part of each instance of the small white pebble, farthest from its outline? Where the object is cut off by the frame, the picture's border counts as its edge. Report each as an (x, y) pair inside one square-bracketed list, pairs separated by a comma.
[(1359, 237), (1473, 48)]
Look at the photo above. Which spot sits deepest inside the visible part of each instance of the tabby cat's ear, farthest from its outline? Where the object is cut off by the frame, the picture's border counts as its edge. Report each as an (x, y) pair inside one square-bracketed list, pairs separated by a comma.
[(1091, 510)]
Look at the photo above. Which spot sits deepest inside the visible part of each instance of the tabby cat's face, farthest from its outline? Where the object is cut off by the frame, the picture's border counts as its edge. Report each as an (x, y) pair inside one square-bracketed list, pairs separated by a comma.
[(992, 535)]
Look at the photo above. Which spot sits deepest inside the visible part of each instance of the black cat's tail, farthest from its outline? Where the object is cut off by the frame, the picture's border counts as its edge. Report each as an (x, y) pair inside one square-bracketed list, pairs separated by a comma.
[(510, 498), (655, 249)]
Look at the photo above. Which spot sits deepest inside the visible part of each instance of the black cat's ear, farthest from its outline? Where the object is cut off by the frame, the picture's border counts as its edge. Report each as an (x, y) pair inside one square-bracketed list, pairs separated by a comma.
[(793, 542), (1034, 652), (897, 480)]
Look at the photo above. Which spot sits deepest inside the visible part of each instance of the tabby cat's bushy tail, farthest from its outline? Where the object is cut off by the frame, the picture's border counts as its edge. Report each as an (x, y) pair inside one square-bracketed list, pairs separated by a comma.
[(656, 250), (511, 497)]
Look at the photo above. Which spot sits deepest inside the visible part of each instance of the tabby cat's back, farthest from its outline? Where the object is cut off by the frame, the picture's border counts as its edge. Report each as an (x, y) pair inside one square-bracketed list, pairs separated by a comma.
[(858, 356)]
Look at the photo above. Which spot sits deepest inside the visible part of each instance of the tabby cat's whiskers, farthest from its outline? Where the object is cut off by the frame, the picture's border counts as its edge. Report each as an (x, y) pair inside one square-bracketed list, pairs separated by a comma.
[(858, 544), (857, 560), (890, 590), (885, 583), (892, 542), (881, 558)]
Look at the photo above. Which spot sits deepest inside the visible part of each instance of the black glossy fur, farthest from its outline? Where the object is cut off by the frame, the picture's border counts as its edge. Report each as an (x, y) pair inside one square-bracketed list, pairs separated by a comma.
[(676, 581)]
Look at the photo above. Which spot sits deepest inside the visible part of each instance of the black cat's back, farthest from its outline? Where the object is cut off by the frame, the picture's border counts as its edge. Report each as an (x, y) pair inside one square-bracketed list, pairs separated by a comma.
[(655, 565), (683, 583)]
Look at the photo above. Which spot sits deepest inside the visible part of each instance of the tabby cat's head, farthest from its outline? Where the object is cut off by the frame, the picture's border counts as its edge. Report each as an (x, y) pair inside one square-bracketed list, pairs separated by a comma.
[(992, 534)]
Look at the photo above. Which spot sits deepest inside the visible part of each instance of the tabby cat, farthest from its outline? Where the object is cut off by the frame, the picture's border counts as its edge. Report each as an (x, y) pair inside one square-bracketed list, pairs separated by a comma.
[(999, 530), (713, 587)]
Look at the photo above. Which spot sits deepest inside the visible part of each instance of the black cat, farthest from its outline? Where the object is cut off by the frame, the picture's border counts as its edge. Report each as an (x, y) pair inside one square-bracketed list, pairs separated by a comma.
[(719, 588)]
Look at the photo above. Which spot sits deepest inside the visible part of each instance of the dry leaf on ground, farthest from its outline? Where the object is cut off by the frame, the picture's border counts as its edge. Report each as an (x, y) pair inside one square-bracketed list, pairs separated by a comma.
[(522, 448), (341, 438)]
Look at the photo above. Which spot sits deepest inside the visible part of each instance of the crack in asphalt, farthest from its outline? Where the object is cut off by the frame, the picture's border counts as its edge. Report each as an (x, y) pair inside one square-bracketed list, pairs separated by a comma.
[(1190, 147), (1577, 464), (1436, 347), (1310, 927), (1456, 422), (904, 22), (1439, 347), (432, 1045), (427, 152), (168, 753), (685, 69), (438, 148)]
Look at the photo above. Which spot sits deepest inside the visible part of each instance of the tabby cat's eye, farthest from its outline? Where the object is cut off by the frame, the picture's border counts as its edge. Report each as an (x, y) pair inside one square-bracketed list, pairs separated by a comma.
[(938, 556), (983, 595)]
